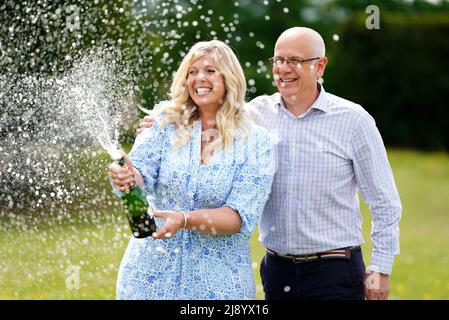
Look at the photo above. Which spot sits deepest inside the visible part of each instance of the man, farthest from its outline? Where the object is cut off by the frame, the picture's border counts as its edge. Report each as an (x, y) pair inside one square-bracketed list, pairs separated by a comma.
[(329, 149)]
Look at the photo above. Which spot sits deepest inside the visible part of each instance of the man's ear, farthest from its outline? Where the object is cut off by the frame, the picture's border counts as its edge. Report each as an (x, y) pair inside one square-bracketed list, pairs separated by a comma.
[(321, 66)]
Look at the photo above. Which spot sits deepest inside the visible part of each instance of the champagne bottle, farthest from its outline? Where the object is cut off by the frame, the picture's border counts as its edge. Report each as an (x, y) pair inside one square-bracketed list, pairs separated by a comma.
[(137, 209)]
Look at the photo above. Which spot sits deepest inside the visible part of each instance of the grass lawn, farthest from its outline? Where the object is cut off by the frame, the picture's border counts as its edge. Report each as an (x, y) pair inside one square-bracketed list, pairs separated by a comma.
[(46, 262)]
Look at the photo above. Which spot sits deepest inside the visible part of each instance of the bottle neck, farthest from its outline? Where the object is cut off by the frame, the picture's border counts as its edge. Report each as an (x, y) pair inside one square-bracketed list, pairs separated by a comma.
[(133, 185), (122, 163)]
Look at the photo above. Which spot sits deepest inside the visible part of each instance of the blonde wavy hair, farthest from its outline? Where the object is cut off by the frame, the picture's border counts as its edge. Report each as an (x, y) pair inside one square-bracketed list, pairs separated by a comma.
[(232, 115)]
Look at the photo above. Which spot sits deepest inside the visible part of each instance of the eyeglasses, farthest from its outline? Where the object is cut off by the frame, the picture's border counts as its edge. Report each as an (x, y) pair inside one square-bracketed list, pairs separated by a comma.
[(292, 62)]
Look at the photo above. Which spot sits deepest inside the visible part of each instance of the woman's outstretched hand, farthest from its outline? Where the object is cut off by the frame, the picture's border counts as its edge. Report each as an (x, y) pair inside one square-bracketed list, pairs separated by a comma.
[(173, 221)]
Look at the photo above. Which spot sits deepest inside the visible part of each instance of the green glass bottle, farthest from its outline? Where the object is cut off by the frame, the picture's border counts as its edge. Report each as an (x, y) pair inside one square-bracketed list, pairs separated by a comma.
[(136, 208)]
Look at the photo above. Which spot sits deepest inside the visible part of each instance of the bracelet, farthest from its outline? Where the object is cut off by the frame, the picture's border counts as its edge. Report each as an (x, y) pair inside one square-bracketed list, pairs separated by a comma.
[(185, 219)]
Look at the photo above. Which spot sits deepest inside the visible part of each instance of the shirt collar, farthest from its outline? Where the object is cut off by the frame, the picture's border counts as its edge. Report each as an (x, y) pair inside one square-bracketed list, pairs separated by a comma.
[(320, 103)]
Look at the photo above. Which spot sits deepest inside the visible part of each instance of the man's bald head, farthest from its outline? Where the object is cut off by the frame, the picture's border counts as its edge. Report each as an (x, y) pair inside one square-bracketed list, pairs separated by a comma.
[(297, 81), (305, 36)]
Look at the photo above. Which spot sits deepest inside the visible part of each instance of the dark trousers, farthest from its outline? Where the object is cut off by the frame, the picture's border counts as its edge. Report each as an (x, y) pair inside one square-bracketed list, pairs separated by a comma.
[(336, 279)]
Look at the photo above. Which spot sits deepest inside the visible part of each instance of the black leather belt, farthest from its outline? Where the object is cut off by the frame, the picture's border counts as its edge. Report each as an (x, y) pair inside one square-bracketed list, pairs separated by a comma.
[(344, 253)]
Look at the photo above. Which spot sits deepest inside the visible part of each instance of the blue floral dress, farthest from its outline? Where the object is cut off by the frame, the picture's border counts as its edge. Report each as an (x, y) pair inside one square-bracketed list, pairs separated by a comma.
[(195, 265)]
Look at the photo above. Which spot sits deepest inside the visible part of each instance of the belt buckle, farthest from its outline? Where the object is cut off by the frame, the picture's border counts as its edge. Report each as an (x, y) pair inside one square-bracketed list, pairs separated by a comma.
[(305, 258)]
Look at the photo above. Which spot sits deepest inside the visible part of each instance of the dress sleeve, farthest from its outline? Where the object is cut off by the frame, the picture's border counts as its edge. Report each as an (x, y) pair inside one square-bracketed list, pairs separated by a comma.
[(252, 183), (146, 153)]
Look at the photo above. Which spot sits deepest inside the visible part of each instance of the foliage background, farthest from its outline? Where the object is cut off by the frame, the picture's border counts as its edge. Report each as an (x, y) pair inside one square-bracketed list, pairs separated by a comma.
[(398, 73)]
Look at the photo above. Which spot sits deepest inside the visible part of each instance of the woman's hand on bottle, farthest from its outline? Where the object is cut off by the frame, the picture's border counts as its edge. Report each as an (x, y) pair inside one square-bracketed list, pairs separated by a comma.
[(147, 122), (120, 176), (173, 221)]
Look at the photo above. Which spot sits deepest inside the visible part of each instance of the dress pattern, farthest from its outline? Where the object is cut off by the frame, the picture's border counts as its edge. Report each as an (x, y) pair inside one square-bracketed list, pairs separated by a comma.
[(195, 265)]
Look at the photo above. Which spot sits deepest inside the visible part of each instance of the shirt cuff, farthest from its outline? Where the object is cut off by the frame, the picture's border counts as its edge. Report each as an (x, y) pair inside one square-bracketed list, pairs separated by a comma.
[(381, 262)]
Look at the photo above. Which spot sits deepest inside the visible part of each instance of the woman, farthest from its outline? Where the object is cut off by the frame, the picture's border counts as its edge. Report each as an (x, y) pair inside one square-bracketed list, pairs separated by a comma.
[(209, 169)]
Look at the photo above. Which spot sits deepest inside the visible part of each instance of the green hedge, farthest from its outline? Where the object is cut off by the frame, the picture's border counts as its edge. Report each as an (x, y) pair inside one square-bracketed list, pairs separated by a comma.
[(399, 74)]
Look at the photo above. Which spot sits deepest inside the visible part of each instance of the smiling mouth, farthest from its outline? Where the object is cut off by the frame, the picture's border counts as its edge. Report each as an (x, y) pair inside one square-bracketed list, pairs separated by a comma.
[(203, 90), (289, 80)]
